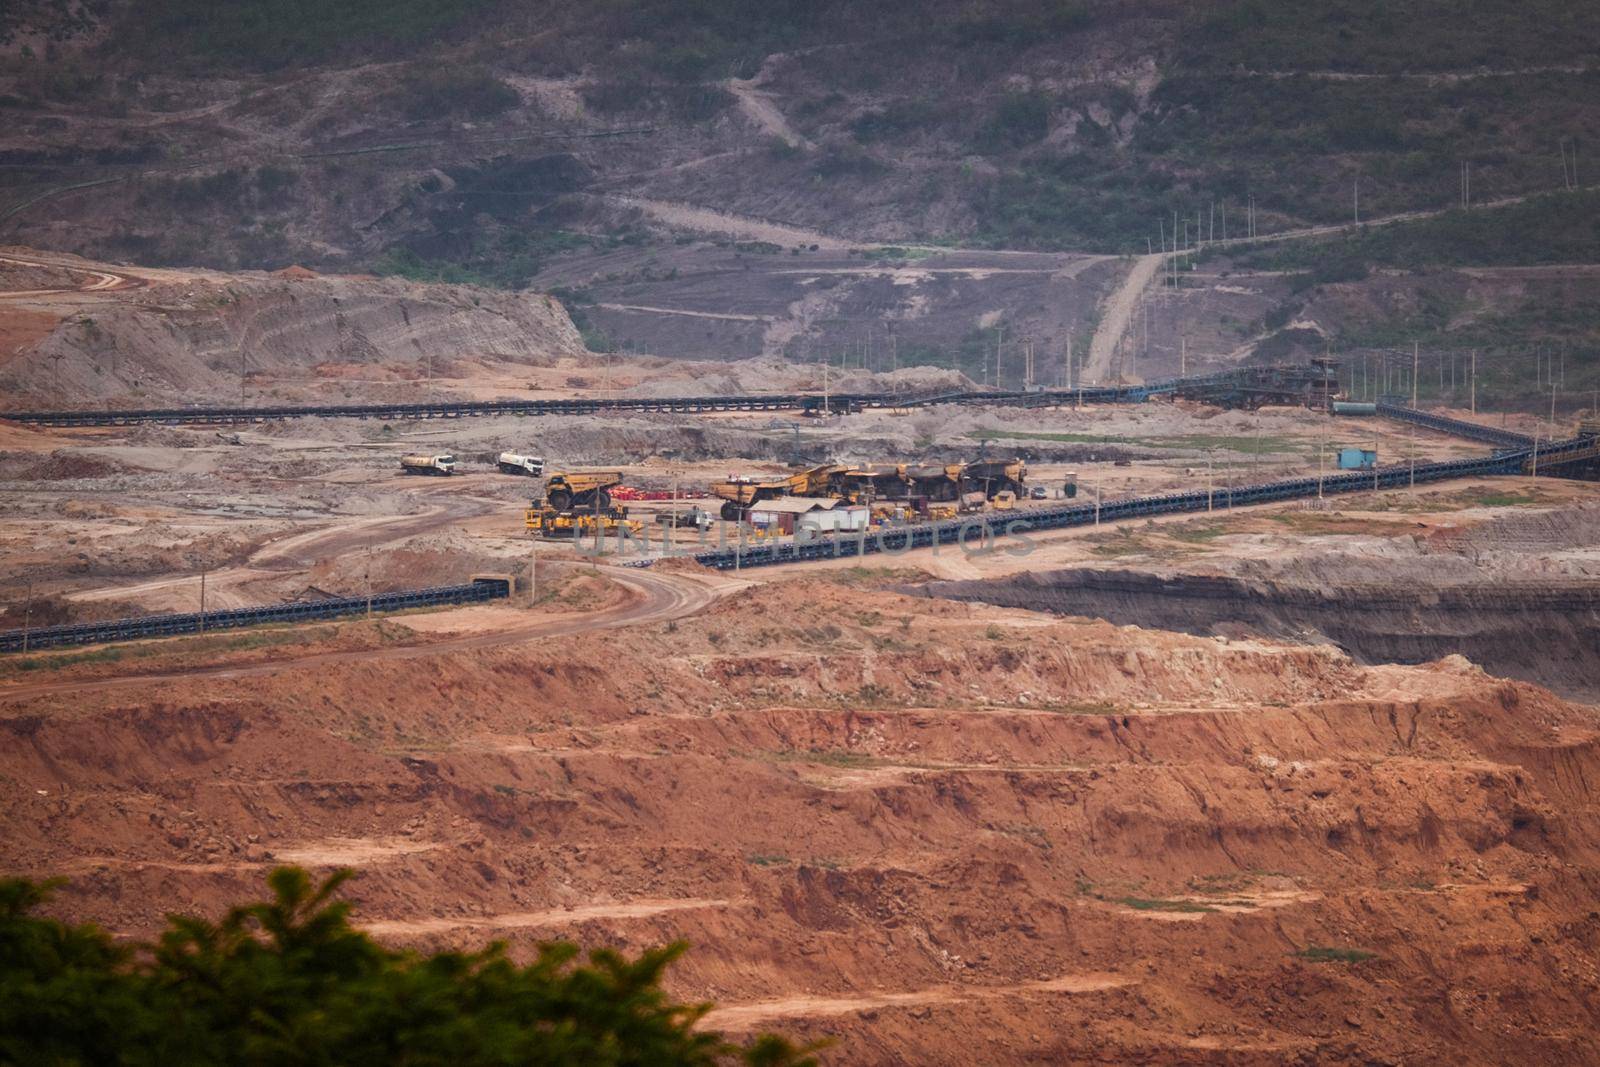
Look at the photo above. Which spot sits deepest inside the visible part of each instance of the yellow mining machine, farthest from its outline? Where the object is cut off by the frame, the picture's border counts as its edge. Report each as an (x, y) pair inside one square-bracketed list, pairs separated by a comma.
[(739, 495), (580, 490), (550, 523), (993, 477)]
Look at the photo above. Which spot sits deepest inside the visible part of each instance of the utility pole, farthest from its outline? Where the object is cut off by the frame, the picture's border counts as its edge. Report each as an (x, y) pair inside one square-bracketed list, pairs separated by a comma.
[(1474, 381), (1374, 459), (369, 579), (1416, 355), (1210, 490), (1322, 438), (202, 601), (999, 341), (533, 571), (1356, 192), (1411, 451), (27, 616)]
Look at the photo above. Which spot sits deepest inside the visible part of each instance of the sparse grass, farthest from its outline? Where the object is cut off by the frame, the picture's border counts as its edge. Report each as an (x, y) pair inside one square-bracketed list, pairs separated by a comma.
[(1218, 884), (761, 859), (828, 757), (1099, 707), (1194, 442), (1310, 522), (1473, 497), (1039, 435), (1154, 904), (1507, 500), (1197, 534), (877, 577), (1119, 543), (1331, 954)]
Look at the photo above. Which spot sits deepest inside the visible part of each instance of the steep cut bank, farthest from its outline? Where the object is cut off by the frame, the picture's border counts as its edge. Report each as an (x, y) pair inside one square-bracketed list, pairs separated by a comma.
[(1545, 632), (938, 833), (190, 336)]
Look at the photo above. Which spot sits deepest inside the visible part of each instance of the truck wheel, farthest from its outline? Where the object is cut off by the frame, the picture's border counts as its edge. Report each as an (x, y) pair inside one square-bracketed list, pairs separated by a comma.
[(604, 497), (730, 511), (560, 499)]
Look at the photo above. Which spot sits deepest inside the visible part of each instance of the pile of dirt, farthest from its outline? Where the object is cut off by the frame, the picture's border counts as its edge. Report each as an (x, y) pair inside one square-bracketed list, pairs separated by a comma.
[(449, 558), (60, 465)]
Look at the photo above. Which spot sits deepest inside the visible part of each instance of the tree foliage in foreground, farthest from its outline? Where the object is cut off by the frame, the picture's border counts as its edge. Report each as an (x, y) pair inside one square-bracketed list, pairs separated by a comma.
[(290, 981)]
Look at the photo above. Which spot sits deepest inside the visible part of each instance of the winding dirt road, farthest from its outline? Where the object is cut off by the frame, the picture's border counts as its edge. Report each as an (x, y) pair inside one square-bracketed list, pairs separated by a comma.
[(298, 551), (96, 281)]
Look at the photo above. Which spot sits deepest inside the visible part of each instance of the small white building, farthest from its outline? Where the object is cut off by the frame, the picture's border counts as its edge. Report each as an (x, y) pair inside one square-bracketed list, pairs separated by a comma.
[(815, 514)]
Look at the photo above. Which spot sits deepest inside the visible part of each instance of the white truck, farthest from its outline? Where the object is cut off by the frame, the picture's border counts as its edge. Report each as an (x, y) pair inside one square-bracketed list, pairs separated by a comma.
[(442, 464), (516, 463)]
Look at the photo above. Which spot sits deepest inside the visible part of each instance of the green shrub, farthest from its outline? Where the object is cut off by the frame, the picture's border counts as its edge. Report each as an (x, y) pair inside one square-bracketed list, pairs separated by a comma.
[(453, 92), (1326, 954), (291, 981), (1019, 120)]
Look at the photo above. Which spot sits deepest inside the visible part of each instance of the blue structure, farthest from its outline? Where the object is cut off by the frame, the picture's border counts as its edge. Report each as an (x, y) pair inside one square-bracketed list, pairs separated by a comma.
[(1357, 459)]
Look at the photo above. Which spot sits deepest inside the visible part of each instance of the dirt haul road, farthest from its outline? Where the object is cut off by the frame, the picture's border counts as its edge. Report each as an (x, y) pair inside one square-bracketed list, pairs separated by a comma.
[(655, 597), (94, 281), (297, 551)]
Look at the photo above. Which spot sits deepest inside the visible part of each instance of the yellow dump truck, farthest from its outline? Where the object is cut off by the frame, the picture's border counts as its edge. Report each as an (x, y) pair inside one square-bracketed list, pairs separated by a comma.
[(580, 490), (739, 494), (993, 477)]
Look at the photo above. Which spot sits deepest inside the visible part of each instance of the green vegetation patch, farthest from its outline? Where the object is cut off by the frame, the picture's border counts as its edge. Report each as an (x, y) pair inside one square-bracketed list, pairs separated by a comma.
[(1329, 954), (269, 34), (1155, 904)]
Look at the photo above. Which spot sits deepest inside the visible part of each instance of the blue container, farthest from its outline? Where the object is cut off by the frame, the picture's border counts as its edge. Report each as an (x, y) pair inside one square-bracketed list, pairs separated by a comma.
[(1357, 459)]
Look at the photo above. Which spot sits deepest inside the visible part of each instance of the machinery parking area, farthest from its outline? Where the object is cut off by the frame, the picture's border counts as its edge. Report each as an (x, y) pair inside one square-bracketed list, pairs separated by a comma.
[(123, 521)]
